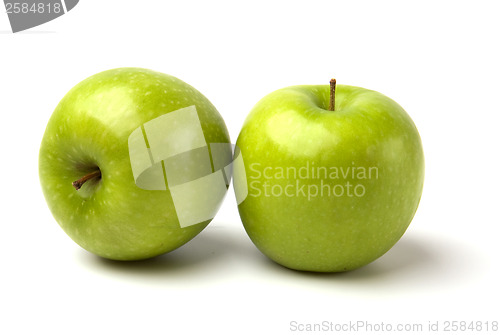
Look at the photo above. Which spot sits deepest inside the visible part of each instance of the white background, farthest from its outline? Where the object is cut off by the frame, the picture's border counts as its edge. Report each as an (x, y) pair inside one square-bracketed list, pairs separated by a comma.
[(438, 59)]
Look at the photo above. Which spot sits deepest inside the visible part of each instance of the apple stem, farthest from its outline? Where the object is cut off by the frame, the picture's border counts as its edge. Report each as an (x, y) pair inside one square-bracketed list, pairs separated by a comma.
[(333, 83), (77, 184)]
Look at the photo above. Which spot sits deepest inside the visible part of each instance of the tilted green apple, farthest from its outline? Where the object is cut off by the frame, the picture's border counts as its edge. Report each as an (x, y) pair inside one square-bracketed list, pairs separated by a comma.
[(105, 158), (332, 177)]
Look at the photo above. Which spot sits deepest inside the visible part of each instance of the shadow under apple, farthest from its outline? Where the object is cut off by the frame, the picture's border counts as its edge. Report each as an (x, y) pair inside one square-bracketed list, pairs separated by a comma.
[(417, 261), (213, 247)]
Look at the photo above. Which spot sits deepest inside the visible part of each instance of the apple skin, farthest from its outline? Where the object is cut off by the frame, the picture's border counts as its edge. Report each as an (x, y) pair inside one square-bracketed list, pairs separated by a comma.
[(112, 217), (293, 127)]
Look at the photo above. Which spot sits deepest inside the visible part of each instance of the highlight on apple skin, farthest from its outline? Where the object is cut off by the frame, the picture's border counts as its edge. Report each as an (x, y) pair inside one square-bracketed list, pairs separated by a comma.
[(126, 163), (332, 175)]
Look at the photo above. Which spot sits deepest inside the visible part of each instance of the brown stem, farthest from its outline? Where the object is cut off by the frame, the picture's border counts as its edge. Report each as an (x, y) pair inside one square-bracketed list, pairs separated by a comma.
[(77, 184), (333, 83)]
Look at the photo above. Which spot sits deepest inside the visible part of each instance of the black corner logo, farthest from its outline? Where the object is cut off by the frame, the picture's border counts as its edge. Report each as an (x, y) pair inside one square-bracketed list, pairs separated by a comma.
[(26, 14)]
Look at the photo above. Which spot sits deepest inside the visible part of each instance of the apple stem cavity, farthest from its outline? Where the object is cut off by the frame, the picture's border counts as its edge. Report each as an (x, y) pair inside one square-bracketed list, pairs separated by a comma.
[(333, 84), (77, 184)]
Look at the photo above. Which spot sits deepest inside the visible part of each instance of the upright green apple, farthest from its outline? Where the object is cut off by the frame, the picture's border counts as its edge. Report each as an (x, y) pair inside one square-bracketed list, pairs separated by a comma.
[(332, 178), (104, 163)]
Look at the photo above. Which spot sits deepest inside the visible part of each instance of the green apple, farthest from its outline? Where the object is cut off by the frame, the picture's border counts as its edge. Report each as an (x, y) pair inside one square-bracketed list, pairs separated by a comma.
[(332, 177), (91, 161)]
